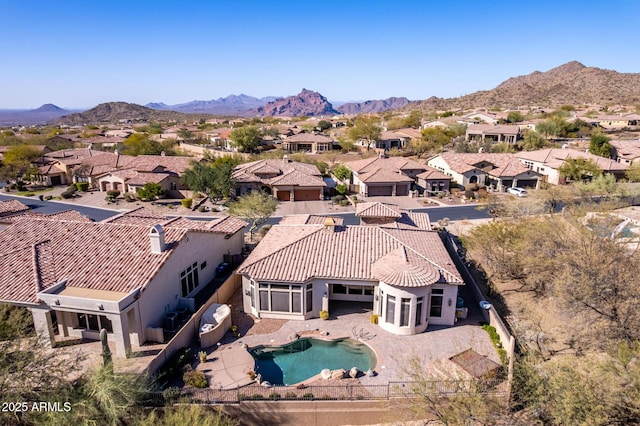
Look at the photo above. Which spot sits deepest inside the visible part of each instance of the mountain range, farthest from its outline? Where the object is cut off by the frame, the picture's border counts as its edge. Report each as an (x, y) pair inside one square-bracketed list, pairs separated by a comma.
[(572, 83)]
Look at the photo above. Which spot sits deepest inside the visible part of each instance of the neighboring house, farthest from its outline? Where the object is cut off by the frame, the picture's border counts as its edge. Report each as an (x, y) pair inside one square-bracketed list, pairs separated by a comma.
[(510, 134), (386, 141), (123, 274), (307, 142), (495, 170), (548, 161), (619, 121), (286, 180), (11, 208), (391, 216), (42, 148), (384, 176), (163, 170), (433, 182), (405, 275), (482, 118), (625, 151)]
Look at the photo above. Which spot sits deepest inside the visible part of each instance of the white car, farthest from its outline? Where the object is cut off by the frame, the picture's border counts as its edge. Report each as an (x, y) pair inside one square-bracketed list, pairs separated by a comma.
[(517, 191)]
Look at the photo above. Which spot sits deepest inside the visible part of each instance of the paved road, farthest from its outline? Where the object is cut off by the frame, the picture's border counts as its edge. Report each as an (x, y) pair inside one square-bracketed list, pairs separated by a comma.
[(435, 213), (48, 207)]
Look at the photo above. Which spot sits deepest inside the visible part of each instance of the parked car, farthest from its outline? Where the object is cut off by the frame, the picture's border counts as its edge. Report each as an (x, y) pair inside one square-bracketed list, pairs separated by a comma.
[(223, 268), (517, 191)]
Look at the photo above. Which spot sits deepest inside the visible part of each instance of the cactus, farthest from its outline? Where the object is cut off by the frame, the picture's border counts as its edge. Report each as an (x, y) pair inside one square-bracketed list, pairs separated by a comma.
[(106, 352)]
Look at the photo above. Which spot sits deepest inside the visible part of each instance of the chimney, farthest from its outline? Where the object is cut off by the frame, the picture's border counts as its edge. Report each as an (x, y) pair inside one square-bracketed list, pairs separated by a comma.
[(285, 159), (329, 224), (156, 235)]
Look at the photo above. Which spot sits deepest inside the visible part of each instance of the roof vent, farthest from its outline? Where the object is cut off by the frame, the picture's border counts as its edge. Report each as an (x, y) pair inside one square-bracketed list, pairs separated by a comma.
[(329, 224)]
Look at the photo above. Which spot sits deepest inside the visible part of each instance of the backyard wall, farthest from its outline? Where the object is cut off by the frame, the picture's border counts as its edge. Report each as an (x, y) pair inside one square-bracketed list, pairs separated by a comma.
[(190, 331)]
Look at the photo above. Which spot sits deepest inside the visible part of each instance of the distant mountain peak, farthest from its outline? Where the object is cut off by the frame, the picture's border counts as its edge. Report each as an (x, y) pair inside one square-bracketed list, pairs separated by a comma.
[(49, 108), (307, 102)]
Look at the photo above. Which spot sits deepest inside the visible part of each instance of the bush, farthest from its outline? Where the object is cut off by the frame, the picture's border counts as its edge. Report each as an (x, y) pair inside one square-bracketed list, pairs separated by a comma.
[(344, 203), (202, 209), (324, 315), (307, 396), (263, 230), (82, 186), (194, 378), (342, 188), (48, 197), (66, 195), (373, 318), (113, 193), (290, 395), (186, 203), (468, 193), (275, 396), (197, 195), (171, 394), (29, 194), (338, 198), (257, 396), (129, 197)]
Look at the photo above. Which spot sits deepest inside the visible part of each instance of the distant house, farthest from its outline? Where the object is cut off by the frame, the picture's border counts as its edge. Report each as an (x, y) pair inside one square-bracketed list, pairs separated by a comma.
[(384, 176), (286, 180), (307, 142), (619, 121), (625, 151), (547, 162), (402, 272), (495, 170), (481, 118), (509, 134), (124, 274)]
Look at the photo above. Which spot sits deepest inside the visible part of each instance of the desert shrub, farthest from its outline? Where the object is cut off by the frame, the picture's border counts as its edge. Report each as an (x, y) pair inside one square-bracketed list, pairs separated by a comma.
[(468, 193), (129, 197), (342, 188), (197, 195), (336, 199), (66, 195), (48, 197), (113, 193), (344, 203), (263, 230), (290, 395), (29, 194), (257, 396), (186, 203), (202, 209), (308, 396), (275, 396), (171, 394), (214, 209), (194, 378), (82, 186)]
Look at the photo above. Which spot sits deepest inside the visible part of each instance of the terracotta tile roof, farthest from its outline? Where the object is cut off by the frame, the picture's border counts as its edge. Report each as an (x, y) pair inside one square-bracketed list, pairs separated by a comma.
[(432, 174), (410, 132), (381, 175), (303, 252), (504, 165), (395, 268), (170, 163), (488, 129), (68, 215), (50, 169), (413, 220), (141, 179), (392, 164), (11, 207), (377, 209), (296, 178), (96, 255), (308, 219), (309, 137), (555, 157), (249, 172), (626, 148)]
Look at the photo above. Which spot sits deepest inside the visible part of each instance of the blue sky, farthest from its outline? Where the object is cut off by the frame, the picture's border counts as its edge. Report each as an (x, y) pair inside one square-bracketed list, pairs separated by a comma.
[(77, 54)]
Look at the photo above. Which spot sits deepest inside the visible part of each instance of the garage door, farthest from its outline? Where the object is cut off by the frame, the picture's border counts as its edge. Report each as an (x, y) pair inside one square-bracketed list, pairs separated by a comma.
[(380, 191), (527, 183), (284, 195), (307, 195), (56, 180), (402, 189)]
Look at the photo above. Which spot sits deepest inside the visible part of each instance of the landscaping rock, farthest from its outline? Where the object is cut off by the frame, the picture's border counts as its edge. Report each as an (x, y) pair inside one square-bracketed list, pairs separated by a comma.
[(338, 374), (353, 373), (325, 374)]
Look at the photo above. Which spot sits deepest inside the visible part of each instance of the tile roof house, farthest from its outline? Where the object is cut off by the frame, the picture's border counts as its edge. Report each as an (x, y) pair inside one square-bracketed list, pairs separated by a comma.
[(548, 161), (495, 170), (404, 273), (496, 134), (125, 274), (308, 142), (384, 176), (286, 180), (391, 216), (625, 151)]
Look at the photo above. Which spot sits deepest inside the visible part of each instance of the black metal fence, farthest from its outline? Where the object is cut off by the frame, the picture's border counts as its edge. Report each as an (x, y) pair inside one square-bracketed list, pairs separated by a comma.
[(350, 392)]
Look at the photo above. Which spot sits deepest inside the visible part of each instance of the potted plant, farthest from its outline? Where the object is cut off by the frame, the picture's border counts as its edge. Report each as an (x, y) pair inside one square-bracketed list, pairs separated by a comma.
[(203, 356), (324, 315)]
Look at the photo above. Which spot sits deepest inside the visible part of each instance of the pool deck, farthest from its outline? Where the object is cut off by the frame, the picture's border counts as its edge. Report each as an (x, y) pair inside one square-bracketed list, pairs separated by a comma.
[(229, 363)]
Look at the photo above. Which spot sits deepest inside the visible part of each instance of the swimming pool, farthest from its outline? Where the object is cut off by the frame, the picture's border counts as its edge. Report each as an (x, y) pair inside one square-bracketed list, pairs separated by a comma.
[(300, 360)]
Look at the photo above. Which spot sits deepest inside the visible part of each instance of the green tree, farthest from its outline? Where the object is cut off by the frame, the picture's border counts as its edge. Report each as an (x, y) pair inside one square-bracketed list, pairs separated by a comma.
[(577, 169), (214, 179), (17, 160), (246, 138), (141, 144), (256, 207), (185, 133), (532, 140), (324, 125), (633, 172), (150, 191), (435, 138), (346, 144), (365, 129), (341, 172), (599, 145), (413, 120), (515, 117)]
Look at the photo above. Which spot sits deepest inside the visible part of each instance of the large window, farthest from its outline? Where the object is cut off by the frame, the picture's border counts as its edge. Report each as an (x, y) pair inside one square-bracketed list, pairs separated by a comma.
[(309, 305), (94, 322), (282, 298), (189, 279), (405, 307), (419, 311), (391, 309), (437, 294)]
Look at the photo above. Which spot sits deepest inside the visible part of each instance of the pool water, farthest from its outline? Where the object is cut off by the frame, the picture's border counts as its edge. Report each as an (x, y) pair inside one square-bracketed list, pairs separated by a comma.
[(297, 361)]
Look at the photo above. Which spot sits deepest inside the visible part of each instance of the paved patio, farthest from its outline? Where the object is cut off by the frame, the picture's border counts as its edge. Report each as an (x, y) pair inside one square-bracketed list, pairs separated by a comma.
[(394, 353)]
